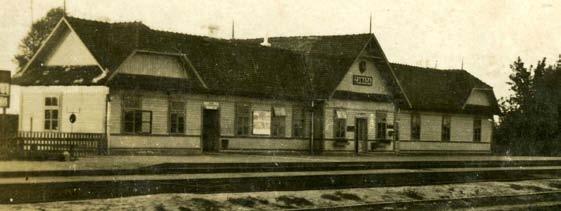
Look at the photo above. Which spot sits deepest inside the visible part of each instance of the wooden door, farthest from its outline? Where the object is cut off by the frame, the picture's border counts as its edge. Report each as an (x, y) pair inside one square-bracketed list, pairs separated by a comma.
[(211, 130)]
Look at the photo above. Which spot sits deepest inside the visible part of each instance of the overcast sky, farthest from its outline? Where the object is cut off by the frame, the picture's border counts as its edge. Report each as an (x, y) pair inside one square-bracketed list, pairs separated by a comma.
[(486, 35)]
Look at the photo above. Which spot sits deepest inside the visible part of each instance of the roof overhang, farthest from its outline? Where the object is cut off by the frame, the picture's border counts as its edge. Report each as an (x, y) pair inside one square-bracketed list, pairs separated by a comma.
[(48, 41), (182, 57)]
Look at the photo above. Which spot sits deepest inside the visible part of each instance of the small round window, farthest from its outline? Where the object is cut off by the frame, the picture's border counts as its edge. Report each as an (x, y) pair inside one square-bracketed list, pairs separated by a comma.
[(362, 66)]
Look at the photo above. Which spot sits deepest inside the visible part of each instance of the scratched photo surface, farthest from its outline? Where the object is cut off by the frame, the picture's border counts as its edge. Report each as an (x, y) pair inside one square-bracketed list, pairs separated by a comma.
[(280, 105)]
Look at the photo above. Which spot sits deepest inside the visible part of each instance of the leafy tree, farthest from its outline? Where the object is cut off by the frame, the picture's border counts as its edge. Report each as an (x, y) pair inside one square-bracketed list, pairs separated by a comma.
[(521, 85), (40, 30), (531, 122)]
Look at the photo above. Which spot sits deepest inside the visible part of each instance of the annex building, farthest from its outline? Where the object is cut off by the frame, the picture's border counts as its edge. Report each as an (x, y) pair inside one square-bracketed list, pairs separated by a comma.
[(150, 91)]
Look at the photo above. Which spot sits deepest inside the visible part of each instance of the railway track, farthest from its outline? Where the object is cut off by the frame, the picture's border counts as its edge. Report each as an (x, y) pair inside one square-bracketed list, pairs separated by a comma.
[(548, 200)]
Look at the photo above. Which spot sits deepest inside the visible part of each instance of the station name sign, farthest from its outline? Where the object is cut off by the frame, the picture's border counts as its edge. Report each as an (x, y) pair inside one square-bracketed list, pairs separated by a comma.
[(362, 80)]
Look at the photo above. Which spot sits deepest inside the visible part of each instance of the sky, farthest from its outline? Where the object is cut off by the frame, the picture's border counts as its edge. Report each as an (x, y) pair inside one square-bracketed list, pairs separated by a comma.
[(485, 35)]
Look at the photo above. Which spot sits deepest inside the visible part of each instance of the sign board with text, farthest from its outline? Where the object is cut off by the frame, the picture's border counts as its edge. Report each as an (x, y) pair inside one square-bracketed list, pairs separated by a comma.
[(262, 122), (362, 80), (5, 81)]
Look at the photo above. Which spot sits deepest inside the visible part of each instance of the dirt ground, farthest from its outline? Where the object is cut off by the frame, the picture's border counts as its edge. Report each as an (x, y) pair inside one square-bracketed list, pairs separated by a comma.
[(297, 199)]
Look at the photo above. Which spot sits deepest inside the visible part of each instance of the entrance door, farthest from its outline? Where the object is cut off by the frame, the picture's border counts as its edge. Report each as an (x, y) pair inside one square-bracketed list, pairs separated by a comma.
[(211, 130), (361, 135)]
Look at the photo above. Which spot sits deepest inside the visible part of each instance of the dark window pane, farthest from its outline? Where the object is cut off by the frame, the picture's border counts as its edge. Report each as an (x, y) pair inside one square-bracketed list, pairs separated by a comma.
[(181, 124), (47, 125), (54, 114), (129, 116), (138, 121), (129, 127), (243, 116), (54, 125), (47, 114)]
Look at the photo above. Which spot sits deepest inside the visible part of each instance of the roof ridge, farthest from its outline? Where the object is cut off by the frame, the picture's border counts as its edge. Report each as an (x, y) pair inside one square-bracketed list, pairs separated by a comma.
[(307, 36), (107, 22), (427, 68), (185, 34)]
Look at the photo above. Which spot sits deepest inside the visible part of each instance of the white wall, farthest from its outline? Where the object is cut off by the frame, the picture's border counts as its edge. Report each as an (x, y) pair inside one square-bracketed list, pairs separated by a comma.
[(86, 102), (70, 51), (478, 97), (153, 64), (378, 83), (157, 102), (354, 109), (431, 123)]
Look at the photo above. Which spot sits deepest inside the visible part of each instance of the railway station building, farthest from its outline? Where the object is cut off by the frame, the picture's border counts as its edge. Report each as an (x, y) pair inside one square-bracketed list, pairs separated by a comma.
[(157, 92)]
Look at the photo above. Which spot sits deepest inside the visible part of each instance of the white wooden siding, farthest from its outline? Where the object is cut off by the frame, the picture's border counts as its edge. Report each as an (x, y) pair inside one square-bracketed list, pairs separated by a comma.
[(87, 102), (478, 97), (70, 51), (431, 123), (378, 84), (153, 64)]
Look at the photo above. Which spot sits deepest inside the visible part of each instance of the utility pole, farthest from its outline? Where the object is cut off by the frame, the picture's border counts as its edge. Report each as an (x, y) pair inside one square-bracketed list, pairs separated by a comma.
[(233, 30), (31, 11), (370, 25)]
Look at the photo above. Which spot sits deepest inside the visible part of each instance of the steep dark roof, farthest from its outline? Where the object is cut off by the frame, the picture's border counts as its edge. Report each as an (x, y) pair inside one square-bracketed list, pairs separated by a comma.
[(308, 67), (235, 68), (148, 82), (333, 45), (43, 76), (110, 43), (327, 58), (439, 90)]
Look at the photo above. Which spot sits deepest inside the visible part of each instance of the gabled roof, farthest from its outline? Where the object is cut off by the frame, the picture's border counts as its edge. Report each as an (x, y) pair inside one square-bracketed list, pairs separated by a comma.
[(110, 43), (49, 76), (306, 67), (440, 90), (296, 68)]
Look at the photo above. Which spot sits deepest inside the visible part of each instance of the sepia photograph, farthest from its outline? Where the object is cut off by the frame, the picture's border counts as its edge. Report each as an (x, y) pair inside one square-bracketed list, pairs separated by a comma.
[(280, 105)]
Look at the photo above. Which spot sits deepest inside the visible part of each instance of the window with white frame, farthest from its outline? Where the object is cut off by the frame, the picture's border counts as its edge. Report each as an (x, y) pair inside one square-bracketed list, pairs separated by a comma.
[(415, 126), (177, 117), (243, 119), (135, 120), (51, 114), (299, 122), (381, 124), (477, 129), (340, 124), (278, 122), (446, 122)]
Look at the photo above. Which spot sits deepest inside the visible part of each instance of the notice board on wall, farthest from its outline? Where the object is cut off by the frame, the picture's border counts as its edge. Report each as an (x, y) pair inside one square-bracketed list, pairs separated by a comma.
[(262, 122)]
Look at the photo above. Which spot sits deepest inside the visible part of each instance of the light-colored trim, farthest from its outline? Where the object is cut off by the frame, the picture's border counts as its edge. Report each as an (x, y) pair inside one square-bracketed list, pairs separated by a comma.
[(181, 55), (81, 41), (354, 60), (471, 92), (114, 73), (48, 39), (42, 46), (195, 71), (392, 72), (387, 63)]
